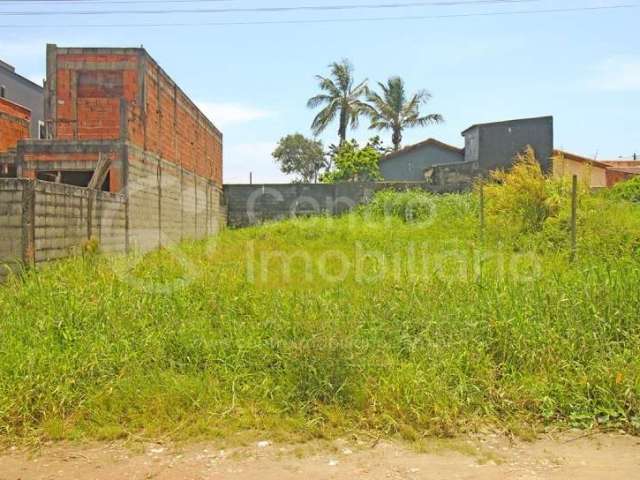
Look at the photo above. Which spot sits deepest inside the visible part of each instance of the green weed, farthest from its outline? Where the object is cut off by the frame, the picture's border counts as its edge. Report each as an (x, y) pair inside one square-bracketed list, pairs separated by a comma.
[(507, 333)]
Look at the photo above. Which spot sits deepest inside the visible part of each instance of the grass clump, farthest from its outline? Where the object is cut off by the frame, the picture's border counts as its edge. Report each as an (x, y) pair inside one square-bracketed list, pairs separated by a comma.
[(310, 328)]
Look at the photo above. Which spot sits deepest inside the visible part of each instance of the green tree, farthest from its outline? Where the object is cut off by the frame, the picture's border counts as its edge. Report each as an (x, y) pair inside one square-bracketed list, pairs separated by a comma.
[(300, 156), (354, 164), (394, 110), (340, 98)]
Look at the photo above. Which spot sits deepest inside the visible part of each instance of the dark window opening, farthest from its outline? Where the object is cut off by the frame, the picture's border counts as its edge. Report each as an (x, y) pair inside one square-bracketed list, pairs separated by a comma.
[(76, 178), (42, 130), (100, 84), (8, 171), (3, 91)]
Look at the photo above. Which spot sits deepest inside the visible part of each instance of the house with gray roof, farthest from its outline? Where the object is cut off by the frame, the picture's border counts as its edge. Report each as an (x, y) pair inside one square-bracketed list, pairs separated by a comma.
[(488, 146), (410, 163)]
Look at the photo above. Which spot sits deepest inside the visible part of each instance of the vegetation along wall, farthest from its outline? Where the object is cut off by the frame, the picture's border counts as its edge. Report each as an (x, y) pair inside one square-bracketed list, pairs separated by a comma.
[(254, 204), (43, 221)]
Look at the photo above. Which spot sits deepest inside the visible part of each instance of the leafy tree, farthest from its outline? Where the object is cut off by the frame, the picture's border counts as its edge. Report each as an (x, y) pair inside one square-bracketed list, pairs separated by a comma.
[(393, 110), (354, 164), (301, 156), (341, 98)]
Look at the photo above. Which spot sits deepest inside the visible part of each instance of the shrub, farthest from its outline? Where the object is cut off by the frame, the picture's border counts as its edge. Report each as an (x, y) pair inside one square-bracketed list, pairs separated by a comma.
[(518, 197), (629, 190), (354, 164)]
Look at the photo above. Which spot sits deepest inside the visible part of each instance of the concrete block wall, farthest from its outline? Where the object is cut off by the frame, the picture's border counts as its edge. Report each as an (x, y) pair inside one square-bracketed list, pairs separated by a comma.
[(163, 205), (42, 221), (11, 218), (168, 204), (253, 204), (65, 217)]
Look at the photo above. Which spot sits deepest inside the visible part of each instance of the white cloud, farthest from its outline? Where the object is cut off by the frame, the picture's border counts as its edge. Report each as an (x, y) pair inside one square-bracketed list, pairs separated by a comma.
[(224, 114), (620, 73), (241, 159)]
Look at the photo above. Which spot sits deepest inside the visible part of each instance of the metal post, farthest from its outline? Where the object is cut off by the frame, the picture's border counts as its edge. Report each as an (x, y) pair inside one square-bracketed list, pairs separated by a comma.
[(574, 218)]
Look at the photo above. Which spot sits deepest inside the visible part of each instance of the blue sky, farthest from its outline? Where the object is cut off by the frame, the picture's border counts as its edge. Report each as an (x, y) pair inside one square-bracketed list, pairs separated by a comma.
[(253, 80)]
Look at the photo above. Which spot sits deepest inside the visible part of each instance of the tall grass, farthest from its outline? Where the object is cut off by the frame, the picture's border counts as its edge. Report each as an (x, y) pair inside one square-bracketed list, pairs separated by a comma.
[(192, 342)]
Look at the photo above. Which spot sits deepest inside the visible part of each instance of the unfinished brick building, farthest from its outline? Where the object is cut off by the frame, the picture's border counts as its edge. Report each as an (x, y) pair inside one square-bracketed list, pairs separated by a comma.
[(14, 126), (117, 122), (99, 100)]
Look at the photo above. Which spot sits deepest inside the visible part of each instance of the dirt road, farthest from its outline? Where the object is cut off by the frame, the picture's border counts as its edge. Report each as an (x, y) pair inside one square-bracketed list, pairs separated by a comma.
[(484, 458)]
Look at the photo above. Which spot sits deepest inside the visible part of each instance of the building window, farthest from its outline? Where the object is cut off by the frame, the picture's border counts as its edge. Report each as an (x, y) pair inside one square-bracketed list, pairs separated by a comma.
[(42, 130), (3, 91)]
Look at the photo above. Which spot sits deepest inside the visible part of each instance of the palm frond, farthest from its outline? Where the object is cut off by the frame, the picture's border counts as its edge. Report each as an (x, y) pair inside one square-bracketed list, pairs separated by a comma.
[(324, 118), (318, 100), (427, 120), (391, 108)]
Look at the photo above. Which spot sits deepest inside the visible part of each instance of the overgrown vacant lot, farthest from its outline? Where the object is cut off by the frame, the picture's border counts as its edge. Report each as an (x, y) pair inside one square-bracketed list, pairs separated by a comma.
[(411, 323)]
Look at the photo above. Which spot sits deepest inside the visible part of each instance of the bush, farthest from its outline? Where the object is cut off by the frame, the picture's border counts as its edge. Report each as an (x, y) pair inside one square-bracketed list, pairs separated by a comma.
[(519, 198), (629, 190), (354, 164)]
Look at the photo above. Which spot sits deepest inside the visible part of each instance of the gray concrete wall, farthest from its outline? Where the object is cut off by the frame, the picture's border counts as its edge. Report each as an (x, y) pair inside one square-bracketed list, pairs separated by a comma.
[(41, 221), (163, 204), (254, 204), (66, 216), (11, 213), (410, 165), (168, 204), (498, 143), (26, 93)]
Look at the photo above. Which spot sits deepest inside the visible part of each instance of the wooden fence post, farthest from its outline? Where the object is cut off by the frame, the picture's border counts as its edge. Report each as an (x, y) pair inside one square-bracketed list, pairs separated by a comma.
[(574, 218), (482, 221), (482, 233)]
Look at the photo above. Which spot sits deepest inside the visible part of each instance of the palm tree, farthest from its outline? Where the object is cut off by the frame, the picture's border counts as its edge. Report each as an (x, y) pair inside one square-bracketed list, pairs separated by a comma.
[(340, 98), (392, 109)]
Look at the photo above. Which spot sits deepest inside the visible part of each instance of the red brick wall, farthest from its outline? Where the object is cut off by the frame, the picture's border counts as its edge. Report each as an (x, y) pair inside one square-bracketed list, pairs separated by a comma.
[(87, 92), (173, 128), (14, 124), (616, 176), (161, 119)]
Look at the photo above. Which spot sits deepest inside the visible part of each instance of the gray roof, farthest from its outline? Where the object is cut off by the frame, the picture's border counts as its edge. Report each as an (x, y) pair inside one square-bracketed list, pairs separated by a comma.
[(11, 70), (506, 122), (430, 141)]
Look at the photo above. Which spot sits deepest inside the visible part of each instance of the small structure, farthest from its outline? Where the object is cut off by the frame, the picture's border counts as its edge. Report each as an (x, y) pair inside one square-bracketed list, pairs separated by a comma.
[(411, 163), (495, 145), (22, 91), (488, 146), (595, 173), (621, 170), (590, 172)]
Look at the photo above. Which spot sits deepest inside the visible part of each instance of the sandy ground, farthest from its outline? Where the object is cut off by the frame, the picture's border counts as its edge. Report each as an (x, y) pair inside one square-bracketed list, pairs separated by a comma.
[(487, 457)]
